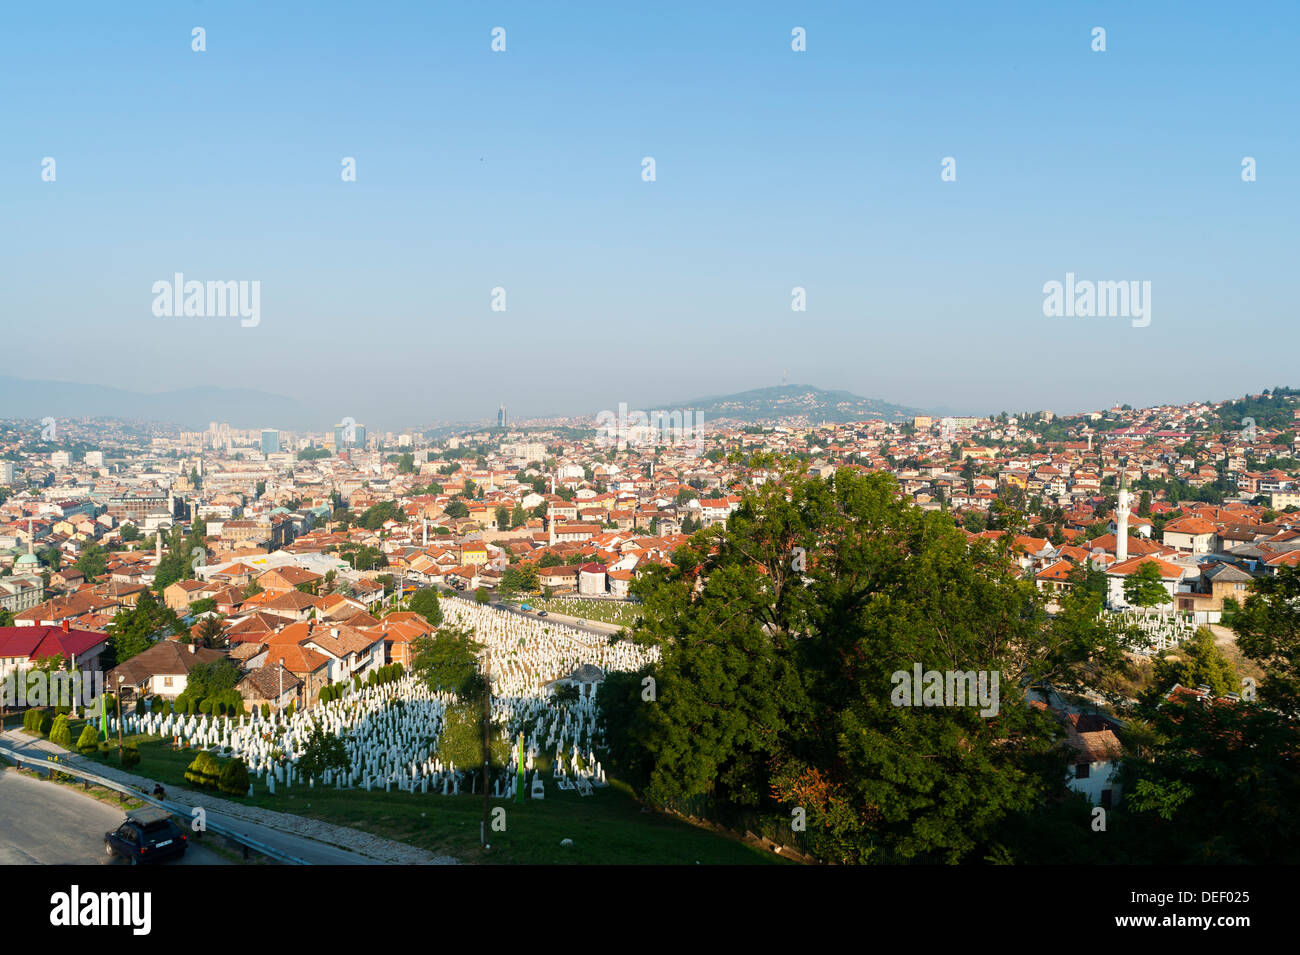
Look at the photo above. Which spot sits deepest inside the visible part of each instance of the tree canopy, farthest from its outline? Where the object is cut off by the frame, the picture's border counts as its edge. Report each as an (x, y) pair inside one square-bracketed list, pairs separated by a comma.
[(448, 660), (775, 684)]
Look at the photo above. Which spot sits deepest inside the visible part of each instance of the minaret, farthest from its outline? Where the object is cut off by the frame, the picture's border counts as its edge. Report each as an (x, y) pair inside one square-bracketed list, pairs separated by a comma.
[(1121, 515), (157, 546), (29, 537)]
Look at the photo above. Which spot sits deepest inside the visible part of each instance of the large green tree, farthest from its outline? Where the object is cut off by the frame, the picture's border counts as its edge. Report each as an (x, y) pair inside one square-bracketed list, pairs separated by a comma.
[(425, 603), (1268, 630), (776, 684), (448, 660), (1145, 587), (1196, 662)]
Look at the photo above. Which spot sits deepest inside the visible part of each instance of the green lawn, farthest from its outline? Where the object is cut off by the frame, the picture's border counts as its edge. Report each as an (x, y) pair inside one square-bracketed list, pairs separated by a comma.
[(608, 827)]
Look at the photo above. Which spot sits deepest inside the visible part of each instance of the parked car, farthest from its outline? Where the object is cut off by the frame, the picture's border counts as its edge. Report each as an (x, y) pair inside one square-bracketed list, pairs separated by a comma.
[(147, 835), (541, 613)]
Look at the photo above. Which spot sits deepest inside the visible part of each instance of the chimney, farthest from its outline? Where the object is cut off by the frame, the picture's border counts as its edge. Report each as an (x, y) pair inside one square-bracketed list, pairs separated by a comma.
[(192, 648), (64, 625)]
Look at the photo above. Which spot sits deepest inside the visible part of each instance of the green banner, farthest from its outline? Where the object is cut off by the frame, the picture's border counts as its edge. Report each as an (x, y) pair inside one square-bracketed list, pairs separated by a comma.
[(519, 788)]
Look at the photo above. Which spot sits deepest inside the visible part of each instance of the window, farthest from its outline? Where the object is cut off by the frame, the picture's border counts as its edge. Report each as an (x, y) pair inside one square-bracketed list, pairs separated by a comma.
[(167, 681), (1081, 771)]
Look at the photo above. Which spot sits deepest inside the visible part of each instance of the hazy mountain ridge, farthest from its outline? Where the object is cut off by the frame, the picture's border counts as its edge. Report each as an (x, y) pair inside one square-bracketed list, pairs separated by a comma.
[(805, 402), (245, 408), (190, 408)]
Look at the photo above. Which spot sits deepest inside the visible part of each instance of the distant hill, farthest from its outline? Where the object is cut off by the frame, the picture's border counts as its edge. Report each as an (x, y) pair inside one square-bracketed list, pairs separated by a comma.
[(191, 408), (795, 402)]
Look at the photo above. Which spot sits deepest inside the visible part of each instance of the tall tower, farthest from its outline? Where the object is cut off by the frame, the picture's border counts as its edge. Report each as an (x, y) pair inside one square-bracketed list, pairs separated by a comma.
[(1121, 517)]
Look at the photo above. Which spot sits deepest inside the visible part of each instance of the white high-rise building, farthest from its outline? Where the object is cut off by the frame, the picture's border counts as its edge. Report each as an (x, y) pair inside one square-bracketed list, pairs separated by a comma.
[(94, 459)]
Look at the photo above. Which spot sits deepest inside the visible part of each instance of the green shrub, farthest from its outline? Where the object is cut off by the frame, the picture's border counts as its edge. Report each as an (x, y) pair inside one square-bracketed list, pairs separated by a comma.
[(461, 740), (45, 723), (234, 778), (266, 711), (130, 756), (60, 732), (205, 707), (288, 710), (205, 771), (88, 741)]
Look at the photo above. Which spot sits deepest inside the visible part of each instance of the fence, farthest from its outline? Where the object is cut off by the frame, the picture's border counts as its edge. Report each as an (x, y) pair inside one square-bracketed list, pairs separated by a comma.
[(52, 764)]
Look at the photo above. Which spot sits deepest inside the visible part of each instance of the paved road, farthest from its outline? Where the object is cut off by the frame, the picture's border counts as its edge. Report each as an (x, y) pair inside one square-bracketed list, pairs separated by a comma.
[(47, 824), (287, 833)]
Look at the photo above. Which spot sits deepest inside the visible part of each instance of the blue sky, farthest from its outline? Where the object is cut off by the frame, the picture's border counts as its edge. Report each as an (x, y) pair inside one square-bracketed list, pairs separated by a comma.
[(774, 169)]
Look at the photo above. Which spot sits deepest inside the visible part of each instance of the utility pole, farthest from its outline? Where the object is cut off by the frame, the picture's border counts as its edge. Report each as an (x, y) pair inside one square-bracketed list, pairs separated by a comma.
[(487, 752)]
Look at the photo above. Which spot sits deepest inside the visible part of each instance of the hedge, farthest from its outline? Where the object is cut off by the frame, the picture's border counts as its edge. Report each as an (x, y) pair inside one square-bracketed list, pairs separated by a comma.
[(130, 756), (60, 732), (88, 741), (32, 720), (234, 778), (205, 771)]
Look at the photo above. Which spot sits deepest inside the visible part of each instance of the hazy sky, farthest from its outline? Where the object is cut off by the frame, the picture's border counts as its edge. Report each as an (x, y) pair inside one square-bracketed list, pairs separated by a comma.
[(774, 169)]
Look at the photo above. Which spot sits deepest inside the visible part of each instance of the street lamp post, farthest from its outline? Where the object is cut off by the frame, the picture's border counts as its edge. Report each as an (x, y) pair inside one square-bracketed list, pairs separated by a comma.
[(487, 751)]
